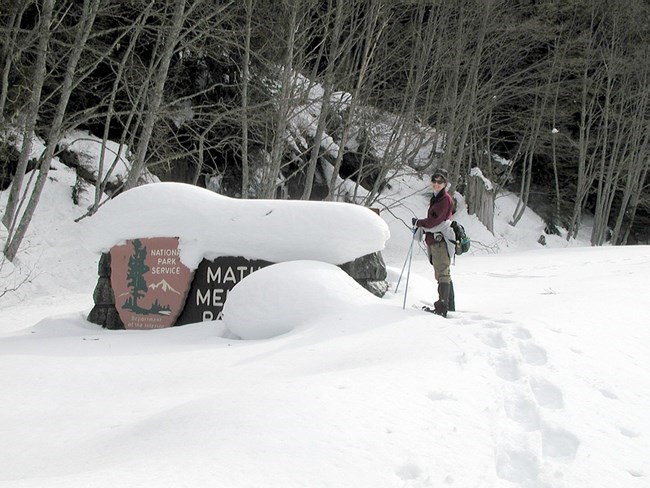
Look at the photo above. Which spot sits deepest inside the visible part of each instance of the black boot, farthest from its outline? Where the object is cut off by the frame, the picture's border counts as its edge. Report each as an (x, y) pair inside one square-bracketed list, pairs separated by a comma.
[(451, 302), (441, 307)]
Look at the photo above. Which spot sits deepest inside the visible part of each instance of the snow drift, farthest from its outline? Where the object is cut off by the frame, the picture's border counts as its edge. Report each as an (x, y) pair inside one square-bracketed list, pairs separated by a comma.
[(257, 306)]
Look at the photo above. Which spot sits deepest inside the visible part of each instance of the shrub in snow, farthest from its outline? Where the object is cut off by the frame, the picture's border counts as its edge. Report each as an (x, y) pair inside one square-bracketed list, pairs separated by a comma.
[(277, 299)]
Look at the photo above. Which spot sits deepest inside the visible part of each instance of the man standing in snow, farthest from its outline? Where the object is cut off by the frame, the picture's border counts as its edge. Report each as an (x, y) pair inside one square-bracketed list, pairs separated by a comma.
[(439, 237)]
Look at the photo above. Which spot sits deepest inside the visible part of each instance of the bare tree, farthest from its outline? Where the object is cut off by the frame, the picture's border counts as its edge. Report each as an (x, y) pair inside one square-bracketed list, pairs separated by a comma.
[(38, 78), (624, 127), (103, 177), (10, 50), (170, 39), (12, 278), (87, 19), (373, 27), (248, 32), (291, 88)]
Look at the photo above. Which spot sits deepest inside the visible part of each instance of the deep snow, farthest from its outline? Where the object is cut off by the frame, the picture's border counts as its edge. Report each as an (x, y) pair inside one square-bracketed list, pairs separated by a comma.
[(540, 380)]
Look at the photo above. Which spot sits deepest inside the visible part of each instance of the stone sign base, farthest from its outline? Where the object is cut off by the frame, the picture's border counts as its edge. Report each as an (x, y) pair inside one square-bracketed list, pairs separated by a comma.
[(220, 276), (104, 312)]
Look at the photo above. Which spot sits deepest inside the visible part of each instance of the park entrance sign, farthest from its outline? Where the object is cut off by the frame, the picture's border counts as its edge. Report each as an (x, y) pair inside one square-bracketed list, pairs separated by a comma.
[(149, 282), (146, 286), (171, 252)]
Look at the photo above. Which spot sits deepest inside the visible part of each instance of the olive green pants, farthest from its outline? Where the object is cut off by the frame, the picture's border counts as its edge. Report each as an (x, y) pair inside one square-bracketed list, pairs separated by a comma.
[(441, 261)]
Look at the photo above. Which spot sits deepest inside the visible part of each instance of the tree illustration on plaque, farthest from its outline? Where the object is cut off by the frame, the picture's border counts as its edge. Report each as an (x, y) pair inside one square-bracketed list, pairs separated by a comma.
[(159, 309), (135, 277)]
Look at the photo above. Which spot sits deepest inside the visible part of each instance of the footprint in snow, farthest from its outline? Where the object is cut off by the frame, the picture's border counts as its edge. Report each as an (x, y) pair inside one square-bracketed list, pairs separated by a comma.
[(533, 354), (608, 394), (628, 432), (506, 367), (504, 321), (436, 396), (523, 411), (479, 317), (559, 443), (636, 473), (546, 394), (519, 466), (493, 339), (522, 333), (408, 472), (491, 325)]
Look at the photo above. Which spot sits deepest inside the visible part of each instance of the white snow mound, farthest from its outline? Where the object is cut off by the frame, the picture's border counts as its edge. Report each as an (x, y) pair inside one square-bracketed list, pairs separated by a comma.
[(210, 225), (279, 298)]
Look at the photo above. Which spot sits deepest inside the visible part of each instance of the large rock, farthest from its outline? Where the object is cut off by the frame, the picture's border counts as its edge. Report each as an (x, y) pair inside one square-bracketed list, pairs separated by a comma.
[(370, 272), (104, 312)]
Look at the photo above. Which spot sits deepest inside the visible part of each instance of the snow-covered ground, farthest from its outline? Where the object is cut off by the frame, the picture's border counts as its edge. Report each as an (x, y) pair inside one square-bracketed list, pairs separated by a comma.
[(541, 379)]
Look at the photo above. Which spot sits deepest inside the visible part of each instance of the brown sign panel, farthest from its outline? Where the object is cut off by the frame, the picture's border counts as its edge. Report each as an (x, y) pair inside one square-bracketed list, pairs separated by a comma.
[(212, 282), (149, 281)]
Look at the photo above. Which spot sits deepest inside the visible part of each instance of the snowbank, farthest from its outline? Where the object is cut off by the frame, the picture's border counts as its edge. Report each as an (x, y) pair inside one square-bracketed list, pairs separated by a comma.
[(211, 225), (277, 299)]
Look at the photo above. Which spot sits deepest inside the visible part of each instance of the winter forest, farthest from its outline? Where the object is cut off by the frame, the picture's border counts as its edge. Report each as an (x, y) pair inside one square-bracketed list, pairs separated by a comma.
[(330, 99)]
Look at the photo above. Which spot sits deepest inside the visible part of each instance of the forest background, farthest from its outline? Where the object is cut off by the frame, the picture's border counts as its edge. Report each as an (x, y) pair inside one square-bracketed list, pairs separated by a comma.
[(298, 98)]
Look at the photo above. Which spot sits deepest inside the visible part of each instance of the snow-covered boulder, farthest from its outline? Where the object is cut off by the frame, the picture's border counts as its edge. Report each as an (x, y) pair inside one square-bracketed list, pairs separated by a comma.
[(82, 151), (279, 298)]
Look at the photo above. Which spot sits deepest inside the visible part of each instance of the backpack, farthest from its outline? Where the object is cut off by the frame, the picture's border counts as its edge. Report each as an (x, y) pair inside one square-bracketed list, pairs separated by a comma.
[(462, 241)]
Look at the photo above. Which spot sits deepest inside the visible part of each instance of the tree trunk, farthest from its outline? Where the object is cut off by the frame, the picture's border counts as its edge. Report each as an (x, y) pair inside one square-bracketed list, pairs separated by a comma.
[(245, 180), (44, 34), (282, 121), (102, 181), (394, 155), (162, 69), (8, 52), (638, 163), (83, 31), (538, 115), (328, 88), (372, 33)]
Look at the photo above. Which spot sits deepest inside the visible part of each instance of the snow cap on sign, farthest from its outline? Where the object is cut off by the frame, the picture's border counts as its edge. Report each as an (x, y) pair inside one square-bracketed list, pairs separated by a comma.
[(210, 225)]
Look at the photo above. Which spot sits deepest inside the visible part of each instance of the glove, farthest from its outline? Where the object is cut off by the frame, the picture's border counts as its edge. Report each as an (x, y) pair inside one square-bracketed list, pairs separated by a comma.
[(414, 221)]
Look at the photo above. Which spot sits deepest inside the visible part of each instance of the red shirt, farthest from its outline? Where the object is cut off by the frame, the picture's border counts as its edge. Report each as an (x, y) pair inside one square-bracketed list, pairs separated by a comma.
[(441, 208)]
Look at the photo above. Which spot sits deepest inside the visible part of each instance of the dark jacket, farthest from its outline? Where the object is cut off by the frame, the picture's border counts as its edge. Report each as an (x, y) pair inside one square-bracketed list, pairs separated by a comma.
[(441, 208)]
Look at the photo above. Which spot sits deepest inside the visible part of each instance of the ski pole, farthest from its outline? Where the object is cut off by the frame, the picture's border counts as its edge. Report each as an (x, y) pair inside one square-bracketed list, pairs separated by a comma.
[(408, 275), (408, 256)]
